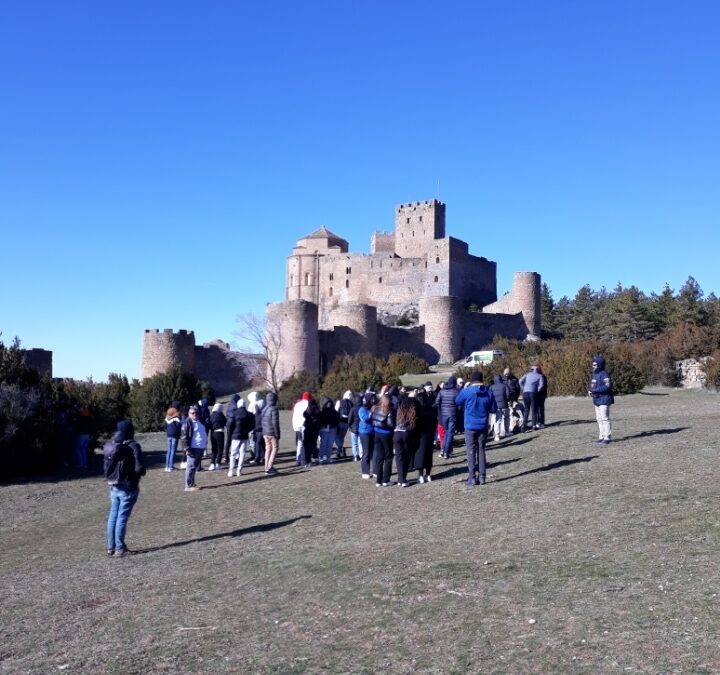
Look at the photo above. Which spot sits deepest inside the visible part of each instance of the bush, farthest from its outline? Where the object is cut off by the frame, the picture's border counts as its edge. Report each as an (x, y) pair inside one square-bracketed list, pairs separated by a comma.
[(293, 388), (150, 399), (401, 363), (712, 370)]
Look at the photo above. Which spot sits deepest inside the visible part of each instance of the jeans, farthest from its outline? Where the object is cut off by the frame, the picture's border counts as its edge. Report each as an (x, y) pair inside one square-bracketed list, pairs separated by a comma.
[(121, 506), (383, 455), (217, 443), (327, 438), (81, 450), (402, 454), (368, 449), (340, 437), (355, 443), (171, 448), (530, 402), (259, 451), (194, 457), (449, 426), (475, 440)]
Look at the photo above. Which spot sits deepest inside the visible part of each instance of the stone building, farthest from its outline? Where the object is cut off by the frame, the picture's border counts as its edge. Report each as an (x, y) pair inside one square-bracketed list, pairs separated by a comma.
[(214, 362), (39, 359), (338, 302)]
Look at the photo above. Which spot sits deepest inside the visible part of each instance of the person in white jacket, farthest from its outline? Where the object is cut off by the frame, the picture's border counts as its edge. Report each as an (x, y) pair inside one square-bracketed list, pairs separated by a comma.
[(298, 424)]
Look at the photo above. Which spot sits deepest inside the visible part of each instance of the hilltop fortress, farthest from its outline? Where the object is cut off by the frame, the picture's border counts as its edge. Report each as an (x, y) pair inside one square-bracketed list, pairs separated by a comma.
[(414, 292)]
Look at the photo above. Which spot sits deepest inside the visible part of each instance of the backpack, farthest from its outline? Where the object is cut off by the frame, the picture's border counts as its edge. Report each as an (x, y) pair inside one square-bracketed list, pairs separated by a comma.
[(115, 456), (513, 389)]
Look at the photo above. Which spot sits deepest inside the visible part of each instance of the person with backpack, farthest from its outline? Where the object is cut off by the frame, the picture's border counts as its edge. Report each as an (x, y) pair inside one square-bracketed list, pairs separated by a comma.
[(354, 427), (123, 468), (601, 393), (194, 442), (513, 395), (243, 424), (479, 403)]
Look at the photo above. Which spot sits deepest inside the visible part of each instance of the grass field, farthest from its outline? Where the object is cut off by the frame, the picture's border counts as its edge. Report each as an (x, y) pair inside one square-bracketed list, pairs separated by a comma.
[(574, 558)]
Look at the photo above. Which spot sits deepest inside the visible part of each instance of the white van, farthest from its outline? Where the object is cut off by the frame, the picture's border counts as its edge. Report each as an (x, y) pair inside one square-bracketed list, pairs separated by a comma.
[(483, 357)]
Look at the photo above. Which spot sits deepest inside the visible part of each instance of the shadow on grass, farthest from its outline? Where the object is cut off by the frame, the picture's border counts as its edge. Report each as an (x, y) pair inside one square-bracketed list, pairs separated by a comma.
[(549, 467), (282, 473), (461, 468), (652, 393), (265, 527), (655, 432), (569, 423)]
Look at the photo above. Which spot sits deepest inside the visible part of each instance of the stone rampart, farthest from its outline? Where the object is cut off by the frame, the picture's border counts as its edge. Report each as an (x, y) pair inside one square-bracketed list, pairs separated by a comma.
[(39, 359), (164, 349)]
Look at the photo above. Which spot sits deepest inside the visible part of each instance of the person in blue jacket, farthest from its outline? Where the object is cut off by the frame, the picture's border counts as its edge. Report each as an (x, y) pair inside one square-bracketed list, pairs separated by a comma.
[(600, 390), (478, 403), (367, 434)]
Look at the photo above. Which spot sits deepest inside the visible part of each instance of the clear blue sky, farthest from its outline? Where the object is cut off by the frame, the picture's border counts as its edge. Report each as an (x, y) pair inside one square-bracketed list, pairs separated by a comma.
[(159, 159)]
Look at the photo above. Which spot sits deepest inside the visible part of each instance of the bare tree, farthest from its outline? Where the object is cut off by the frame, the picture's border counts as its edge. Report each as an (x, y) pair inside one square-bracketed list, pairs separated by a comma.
[(265, 336)]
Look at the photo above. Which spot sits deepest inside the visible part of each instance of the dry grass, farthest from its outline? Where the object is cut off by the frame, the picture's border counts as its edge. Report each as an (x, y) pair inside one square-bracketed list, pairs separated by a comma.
[(573, 558)]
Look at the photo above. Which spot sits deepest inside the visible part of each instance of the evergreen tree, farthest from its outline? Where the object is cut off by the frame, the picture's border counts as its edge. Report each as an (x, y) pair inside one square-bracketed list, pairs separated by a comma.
[(562, 312), (662, 308), (689, 306), (627, 316), (581, 324), (547, 309)]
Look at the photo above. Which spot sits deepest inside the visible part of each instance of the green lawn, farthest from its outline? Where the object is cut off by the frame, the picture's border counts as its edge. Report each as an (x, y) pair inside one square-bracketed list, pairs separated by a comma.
[(574, 558)]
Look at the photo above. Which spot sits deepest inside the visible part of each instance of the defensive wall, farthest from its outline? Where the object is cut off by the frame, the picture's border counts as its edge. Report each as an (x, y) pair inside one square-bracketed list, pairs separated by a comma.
[(39, 359)]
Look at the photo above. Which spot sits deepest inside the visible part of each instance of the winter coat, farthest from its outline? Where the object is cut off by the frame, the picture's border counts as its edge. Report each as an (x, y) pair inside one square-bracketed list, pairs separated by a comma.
[(354, 416), (365, 425), (445, 400), (531, 381), (328, 415), (217, 421), (478, 402), (271, 416), (346, 405), (600, 387), (500, 392), (383, 424), (242, 424), (312, 416), (172, 427)]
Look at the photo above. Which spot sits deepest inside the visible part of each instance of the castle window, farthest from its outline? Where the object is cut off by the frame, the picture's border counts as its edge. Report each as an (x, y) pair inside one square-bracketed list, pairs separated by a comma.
[(371, 264), (331, 276), (435, 282), (347, 283), (380, 280), (437, 258), (421, 219), (407, 220), (292, 279), (348, 270), (308, 279), (330, 292), (413, 233), (426, 264)]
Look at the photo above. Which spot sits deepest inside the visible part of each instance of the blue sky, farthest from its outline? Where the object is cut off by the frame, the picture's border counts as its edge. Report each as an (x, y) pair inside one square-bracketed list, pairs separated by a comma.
[(158, 159)]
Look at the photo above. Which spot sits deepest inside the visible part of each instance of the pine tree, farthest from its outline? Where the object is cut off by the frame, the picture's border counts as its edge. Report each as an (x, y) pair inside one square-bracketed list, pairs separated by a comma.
[(547, 309), (662, 308), (689, 307), (581, 323)]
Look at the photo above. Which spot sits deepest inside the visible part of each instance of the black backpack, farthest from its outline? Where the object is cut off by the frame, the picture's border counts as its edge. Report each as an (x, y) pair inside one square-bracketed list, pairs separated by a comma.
[(116, 457)]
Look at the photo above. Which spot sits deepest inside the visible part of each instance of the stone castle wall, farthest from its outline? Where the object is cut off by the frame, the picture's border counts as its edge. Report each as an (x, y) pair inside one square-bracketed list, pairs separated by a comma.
[(39, 359), (164, 349)]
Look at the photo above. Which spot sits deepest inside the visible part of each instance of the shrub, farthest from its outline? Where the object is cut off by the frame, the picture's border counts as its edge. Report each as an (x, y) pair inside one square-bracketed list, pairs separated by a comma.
[(712, 370), (150, 399), (401, 363), (293, 388)]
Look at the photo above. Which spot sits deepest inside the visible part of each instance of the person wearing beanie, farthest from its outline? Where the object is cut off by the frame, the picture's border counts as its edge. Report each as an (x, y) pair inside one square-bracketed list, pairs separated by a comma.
[(601, 393), (479, 403), (123, 468)]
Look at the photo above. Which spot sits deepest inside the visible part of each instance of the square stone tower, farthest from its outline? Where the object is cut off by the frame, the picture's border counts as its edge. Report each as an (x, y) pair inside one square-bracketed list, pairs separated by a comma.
[(417, 225)]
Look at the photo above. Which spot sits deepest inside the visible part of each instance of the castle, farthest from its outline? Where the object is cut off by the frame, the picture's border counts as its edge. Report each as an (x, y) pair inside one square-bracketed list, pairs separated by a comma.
[(337, 302)]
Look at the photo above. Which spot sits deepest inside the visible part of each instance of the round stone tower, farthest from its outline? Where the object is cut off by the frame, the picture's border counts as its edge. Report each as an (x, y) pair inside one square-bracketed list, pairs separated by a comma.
[(163, 350), (442, 317), (355, 327), (292, 328), (526, 299)]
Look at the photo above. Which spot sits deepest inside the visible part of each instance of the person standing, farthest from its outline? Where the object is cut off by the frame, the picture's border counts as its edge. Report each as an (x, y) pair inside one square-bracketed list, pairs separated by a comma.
[(217, 438), (367, 434), (329, 421), (311, 430), (541, 396), (405, 426), (479, 403), (383, 421), (194, 442), (502, 416), (298, 425), (530, 382), (600, 390), (354, 427), (242, 425), (513, 394), (427, 428), (83, 431), (230, 409), (447, 414), (346, 405), (271, 431), (123, 468), (172, 431)]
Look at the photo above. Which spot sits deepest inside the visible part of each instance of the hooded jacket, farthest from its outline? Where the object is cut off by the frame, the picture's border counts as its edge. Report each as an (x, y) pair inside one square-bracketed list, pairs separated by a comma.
[(445, 400), (271, 416), (478, 402), (133, 467), (600, 387), (353, 417), (499, 389), (346, 406), (217, 418), (328, 415), (298, 416)]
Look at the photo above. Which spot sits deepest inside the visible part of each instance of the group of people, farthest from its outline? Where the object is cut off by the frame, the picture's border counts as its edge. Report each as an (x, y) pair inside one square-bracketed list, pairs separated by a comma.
[(253, 425), (393, 423)]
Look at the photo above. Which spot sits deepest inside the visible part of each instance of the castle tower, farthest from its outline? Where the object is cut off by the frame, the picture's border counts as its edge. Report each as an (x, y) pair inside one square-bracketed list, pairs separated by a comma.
[(303, 267), (443, 320), (163, 350), (416, 225), (355, 328), (526, 300), (293, 327)]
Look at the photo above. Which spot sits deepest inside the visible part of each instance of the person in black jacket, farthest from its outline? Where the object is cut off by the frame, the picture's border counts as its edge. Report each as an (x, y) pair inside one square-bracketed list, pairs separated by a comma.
[(217, 436), (229, 412), (427, 428), (312, 430), (329, 421), (124, 463), (447, 414)]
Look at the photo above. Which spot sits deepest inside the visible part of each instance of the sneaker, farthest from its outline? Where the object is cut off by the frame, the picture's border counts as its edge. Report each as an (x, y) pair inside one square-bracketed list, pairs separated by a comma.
[(230, 474), (122, 552), (481, 480), (421, 480), (366, 476), (497, 438), (378, 485), (183, 465), (605, 441), (110, 552), (388, 484), (238, 472), (471, 482), (192, 488), (211, 467), (598, 441), (404, 484), (428, 479)]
